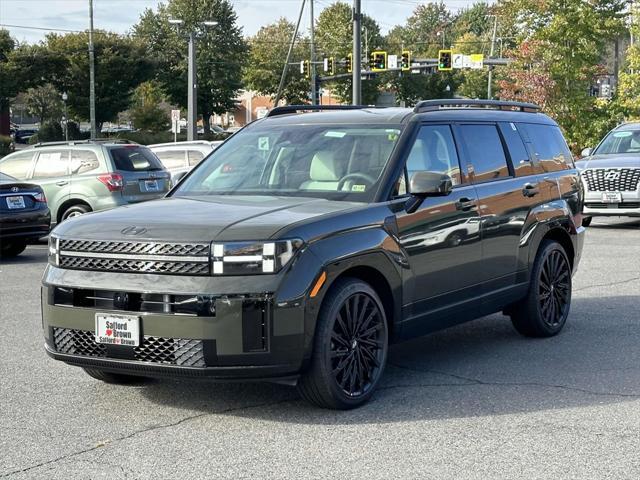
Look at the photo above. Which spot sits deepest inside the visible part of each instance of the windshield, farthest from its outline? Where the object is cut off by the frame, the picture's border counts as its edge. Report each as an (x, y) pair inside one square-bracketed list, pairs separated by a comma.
[(620, 141), (338, 162)]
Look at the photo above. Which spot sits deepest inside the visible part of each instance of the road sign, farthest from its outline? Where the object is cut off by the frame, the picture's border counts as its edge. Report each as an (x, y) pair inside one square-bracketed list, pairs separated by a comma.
[(392, 61), (175, 123), (458, 60), (476, 61)]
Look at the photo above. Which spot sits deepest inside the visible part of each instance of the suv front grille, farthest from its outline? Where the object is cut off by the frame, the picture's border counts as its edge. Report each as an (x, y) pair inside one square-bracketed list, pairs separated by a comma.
[(135, 257), (168, 351), (612, 179)]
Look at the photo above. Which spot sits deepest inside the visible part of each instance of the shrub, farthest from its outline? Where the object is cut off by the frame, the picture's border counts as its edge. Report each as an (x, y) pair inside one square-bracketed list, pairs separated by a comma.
[(50, 132), (6, 145)]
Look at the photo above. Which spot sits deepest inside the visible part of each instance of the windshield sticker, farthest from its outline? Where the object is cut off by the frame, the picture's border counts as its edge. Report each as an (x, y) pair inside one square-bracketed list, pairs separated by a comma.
[(358, 188), (622, 134), (335, 134), (263, 143), (513, 127), (392, 137)]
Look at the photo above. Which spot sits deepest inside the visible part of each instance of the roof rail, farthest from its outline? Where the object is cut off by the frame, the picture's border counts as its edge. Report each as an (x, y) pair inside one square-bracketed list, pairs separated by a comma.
[(431, 105), (312, 108), (84, 142)]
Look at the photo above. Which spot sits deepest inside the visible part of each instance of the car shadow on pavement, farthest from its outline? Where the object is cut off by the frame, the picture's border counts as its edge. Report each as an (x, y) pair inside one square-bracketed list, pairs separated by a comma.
[(33, 254), (619, 225), (479, 369)]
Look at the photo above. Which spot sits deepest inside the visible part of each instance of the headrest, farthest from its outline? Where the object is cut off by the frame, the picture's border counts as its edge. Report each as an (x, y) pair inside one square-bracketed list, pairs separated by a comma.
[(324, 167)]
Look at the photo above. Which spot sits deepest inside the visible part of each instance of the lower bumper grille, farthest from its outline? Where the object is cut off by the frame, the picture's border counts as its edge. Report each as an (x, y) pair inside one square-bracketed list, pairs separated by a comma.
[(613, 205), (169, 351)]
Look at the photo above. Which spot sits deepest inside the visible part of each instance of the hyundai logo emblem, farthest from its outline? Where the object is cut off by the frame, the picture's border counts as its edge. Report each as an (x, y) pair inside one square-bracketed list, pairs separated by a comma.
[(133, 230), (14, 189), (612, 175)]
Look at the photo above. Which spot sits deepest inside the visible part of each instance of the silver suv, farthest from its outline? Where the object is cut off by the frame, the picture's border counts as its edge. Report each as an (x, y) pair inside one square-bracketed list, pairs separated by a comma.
[(82, 176), (611, 174)]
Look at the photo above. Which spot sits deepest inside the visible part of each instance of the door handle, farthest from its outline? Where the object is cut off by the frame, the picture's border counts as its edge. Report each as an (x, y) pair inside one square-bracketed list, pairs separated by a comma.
[(62, 183), (530, 189), (465, 204)]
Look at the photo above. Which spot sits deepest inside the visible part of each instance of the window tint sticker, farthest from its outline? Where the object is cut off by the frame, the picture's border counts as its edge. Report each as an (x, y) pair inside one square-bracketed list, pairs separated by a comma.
[(263, 143), (358, 188), (335, 134), (622, 134), (513, 126)]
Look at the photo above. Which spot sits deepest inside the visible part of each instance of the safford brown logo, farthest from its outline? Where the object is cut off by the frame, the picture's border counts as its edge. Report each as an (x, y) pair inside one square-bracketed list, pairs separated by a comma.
[(133, 230)]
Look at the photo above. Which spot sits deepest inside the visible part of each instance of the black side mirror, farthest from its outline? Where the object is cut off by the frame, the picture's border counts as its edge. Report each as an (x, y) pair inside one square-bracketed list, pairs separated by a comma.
[(427, 184)]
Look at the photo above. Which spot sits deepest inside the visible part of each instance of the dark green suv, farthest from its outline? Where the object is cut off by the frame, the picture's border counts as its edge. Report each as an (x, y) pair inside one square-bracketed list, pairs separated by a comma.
[(308, 242)]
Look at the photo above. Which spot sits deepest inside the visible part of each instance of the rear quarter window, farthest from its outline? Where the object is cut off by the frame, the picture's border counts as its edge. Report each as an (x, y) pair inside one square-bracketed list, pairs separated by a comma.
[(134, 159), (83, 161), (485, 152), (549, 146), (17, 165)]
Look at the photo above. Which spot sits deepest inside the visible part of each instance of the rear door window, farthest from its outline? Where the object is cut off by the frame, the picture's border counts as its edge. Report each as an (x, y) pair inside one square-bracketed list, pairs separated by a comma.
[(172, 158), (485, 152), (83, 161), (17, 165), (51, 164), (134, 159), (195, 156), (549, 146)]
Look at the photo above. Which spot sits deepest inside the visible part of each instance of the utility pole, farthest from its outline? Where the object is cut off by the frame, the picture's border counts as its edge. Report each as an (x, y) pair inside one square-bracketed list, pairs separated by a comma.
[(288, 59), (312, 65), (356, 60), (92, 76), (493, 46), (192, 94)]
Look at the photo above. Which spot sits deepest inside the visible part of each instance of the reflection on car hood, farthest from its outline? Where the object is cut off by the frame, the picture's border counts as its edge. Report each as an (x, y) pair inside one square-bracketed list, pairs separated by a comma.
[(621, 160), (203, 218)]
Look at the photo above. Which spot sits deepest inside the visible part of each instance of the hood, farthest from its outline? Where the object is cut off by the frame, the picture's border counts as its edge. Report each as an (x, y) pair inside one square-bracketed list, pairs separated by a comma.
[(620, 160), (191, 219)]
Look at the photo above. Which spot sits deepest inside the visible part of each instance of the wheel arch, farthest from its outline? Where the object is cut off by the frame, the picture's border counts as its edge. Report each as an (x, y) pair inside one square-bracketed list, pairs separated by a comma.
[(69, 203)]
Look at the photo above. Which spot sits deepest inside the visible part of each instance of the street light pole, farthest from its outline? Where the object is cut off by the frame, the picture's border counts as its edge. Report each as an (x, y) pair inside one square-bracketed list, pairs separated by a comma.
[(92, 78), (356, 57), (493, 46), (192, 95), (312, 65), (66, 117)]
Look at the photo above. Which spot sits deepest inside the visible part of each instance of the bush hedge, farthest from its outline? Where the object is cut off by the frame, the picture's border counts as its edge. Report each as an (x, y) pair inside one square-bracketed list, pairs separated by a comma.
[(6, 145)]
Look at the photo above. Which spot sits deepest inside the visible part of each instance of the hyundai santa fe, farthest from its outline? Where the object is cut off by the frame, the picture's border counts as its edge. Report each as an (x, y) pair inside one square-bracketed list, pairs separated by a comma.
[(307, 243)]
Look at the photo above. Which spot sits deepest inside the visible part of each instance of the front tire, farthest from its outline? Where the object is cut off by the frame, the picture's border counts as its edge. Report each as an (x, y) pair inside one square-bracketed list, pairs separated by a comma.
[(115, 378), (12, 249), (543, 312), (350, 347)]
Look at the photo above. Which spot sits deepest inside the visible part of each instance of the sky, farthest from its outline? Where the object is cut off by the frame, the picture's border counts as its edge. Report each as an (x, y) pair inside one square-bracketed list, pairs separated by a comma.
[(120, 15)]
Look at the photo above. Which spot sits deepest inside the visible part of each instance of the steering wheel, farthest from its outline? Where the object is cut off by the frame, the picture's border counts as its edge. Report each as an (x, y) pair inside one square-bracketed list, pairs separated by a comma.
[(363, 176)]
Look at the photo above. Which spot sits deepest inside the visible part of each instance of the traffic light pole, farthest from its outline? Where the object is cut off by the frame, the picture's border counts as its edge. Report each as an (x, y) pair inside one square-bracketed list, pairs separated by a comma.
[(286, 62), (92, 77), (192, 95), (357, 55), (312, 66)]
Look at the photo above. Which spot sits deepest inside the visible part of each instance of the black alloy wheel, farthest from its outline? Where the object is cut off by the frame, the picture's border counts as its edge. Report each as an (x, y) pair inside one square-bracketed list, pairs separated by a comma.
[(350, 347), (554, 288), (544, 311), (356, 353)]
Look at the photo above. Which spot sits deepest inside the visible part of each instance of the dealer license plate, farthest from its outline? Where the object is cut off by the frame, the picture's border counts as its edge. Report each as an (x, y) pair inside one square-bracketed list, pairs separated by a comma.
[(117, 329), (16, 202), (151, 185), (611, 197)]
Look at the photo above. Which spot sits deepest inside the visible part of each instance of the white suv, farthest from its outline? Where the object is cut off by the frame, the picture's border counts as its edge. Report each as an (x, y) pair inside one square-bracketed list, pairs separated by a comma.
[(180, 157)]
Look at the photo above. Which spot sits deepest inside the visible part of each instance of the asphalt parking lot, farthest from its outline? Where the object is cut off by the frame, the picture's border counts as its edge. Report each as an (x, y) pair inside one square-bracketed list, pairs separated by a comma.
[(476, 401)]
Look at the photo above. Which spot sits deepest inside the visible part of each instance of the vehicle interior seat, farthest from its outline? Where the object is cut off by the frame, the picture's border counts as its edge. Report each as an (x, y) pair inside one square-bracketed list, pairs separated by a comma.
[(325, 172)]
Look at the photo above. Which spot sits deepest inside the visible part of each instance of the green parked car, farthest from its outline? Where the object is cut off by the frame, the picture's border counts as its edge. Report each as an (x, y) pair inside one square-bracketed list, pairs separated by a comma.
[(83, 176)]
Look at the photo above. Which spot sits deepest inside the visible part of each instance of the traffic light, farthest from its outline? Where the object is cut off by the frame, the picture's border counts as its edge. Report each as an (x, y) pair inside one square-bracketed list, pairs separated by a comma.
[(304, 68), (445, 60), (348, 63), (378, 61), (329, 66), (405, 61)]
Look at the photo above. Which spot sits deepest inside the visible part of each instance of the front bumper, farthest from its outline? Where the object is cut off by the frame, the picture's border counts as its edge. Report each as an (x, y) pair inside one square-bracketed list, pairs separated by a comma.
[(245, 335)]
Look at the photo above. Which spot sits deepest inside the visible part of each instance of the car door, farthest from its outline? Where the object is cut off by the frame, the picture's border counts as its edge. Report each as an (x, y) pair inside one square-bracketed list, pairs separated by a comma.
[(505, 199), (441, 238), (51, 172)]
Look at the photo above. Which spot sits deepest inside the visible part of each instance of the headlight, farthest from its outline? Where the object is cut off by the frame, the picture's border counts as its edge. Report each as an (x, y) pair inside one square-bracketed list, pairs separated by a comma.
[(54, 250), (250, 258)]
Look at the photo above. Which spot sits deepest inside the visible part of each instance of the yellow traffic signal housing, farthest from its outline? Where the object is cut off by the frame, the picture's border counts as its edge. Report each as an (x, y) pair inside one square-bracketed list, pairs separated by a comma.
[(329, 66), (445, 60), (405, 61), (378, 61), (304, 68), (349, 63)]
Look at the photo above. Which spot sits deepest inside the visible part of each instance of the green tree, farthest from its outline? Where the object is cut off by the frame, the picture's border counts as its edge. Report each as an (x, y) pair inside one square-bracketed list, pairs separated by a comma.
[(44, 102), (628, 93), (147, 114), (268, 53), (334, 38), (561, 43), (120, 66), (221, 52)]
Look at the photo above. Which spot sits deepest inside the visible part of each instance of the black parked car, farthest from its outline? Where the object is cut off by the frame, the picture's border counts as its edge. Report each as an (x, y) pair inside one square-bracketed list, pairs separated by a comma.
[(312, 239), (24, 215)]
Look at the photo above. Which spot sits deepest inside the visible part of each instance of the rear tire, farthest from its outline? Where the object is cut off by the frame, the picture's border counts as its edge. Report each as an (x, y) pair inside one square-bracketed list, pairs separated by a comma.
[(350, 347), (75, 211), (586, 221), (115, 378), (543, 312), (12, 249)]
